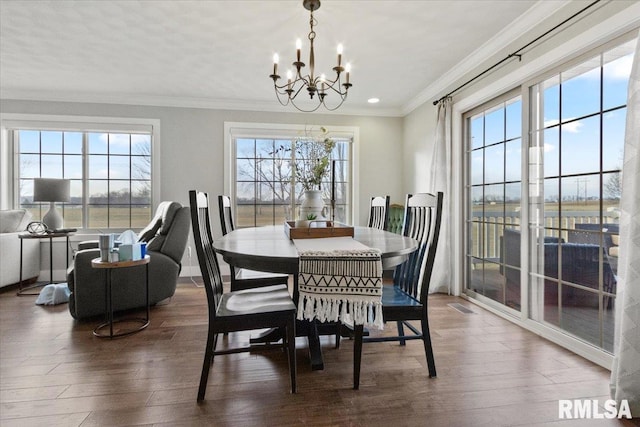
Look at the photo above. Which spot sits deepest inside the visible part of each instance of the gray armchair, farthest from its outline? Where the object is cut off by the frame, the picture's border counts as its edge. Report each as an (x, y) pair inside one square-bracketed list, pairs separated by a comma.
[(166, 237)]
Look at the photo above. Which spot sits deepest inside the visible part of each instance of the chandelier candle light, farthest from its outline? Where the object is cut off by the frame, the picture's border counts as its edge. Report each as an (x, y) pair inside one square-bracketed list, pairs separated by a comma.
[(315, 85)]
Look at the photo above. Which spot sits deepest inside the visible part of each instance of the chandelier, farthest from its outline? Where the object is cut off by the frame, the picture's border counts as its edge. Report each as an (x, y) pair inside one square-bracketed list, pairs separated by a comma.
[(316, 86)]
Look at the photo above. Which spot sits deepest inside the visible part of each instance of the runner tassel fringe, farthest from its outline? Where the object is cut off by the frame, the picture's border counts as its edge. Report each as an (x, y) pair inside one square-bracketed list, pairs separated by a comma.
[(332, 310), (341, 285)]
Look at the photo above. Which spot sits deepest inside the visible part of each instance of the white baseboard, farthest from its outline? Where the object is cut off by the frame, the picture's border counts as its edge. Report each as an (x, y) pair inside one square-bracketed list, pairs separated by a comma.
[(189, 271), (194, 270)]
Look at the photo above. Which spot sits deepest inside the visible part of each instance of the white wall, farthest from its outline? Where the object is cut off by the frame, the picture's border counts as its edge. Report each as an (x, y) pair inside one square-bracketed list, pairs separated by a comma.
[(192, 145)]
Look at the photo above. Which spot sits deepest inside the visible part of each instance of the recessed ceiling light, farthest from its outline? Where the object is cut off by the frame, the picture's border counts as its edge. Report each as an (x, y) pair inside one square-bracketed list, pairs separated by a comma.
[(373, 100)]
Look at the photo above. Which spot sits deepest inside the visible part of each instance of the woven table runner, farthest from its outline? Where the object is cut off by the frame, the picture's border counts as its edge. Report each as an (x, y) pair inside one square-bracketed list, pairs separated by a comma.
[(339, 279)]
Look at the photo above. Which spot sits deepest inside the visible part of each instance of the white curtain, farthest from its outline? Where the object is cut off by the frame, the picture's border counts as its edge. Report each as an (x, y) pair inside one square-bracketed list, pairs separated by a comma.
[(441, 175), (625, 373)]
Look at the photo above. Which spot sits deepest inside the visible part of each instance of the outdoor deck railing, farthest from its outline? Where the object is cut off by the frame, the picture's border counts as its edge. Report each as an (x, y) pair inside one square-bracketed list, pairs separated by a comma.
[(486, 230)]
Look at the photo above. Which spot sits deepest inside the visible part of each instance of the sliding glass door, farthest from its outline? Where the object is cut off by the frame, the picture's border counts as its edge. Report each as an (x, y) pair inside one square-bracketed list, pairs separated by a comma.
[(568, 171), (576, 148)]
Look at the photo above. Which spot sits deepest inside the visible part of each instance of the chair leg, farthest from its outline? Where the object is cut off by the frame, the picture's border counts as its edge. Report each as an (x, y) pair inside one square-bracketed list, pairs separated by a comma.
[(358, 331), (338, 328), (428, 349), (401, 333), (212, 339), (291, 350)]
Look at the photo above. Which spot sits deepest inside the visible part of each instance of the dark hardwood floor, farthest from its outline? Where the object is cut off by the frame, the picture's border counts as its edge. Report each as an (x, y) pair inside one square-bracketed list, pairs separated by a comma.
[(54, 372)]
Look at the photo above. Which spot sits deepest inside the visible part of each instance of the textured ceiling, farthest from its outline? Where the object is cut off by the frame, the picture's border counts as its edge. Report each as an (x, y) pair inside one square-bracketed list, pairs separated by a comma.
[(218, 53)]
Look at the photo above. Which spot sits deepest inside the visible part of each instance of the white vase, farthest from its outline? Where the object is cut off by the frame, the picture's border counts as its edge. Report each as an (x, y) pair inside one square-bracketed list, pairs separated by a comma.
[(312, 204), (302, 223)]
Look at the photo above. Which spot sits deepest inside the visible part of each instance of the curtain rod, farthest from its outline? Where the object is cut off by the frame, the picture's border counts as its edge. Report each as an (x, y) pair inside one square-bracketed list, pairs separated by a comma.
[(517, 52)]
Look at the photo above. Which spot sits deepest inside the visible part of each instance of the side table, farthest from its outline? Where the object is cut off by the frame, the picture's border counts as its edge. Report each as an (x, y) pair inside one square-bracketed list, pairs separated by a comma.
[(109, 266), (22, 290)]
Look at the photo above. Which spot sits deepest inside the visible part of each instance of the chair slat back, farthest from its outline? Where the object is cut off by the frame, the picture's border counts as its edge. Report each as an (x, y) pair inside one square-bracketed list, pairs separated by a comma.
[(422, 216), (379, 213), (207, 259), (226, 216)]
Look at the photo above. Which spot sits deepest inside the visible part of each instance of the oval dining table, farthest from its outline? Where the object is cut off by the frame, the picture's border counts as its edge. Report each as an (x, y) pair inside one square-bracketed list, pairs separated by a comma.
[(269, 249)]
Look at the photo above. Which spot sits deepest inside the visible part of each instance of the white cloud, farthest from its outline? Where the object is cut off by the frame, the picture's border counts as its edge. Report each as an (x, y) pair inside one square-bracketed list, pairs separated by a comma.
[(573, 127), (619, 69), (549, 147), (119, 139)]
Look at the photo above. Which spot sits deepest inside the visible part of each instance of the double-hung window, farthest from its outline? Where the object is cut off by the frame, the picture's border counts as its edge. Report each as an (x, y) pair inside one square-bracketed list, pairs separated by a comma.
[(110, 172)]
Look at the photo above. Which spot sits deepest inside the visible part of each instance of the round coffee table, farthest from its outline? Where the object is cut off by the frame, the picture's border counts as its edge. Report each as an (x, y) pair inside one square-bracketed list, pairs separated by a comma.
[(109, 266)]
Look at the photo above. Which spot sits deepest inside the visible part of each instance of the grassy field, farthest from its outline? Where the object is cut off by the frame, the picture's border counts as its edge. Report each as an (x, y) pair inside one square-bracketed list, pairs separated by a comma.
[(101, 217), (250, 216)]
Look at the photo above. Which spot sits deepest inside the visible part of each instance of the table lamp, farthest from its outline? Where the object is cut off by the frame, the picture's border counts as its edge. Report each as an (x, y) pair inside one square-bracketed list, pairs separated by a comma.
[(52, 190)]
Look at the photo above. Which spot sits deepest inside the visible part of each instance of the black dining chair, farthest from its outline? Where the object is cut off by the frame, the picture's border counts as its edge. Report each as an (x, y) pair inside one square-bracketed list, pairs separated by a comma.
[(266, 307), (406, 298), (242, 278), (379, 212)]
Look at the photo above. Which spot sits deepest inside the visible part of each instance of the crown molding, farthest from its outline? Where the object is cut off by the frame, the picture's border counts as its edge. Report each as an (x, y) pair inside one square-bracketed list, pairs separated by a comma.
[(618, 25), (183, 102), (525, 22)]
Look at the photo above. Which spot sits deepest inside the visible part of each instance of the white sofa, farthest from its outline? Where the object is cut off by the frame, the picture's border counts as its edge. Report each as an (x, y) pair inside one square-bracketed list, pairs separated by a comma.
[(13, 222)]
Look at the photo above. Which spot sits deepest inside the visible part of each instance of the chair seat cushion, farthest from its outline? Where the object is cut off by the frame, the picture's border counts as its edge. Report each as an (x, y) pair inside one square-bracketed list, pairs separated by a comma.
[(244, 274), (252, 301), (394, 296)]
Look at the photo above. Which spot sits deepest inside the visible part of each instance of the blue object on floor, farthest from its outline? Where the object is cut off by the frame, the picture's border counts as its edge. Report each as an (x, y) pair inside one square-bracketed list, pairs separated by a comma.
[(54, 293)]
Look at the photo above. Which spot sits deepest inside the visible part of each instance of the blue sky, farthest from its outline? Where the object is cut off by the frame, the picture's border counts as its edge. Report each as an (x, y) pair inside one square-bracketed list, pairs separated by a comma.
[(580, 138), (115, 166)]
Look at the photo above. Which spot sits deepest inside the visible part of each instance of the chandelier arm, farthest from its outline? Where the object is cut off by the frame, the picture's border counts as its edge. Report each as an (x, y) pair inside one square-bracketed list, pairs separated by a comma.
[(279, 89), (302, 79), (338, 91), (282, 92), (297, 92), (334, 81)]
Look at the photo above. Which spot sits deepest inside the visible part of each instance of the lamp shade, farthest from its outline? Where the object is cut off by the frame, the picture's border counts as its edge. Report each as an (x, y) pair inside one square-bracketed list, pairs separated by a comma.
[(51, 190)]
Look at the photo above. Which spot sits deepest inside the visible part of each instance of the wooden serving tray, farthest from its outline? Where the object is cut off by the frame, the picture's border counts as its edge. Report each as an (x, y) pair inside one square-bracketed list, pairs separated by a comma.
[(331, 230)]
